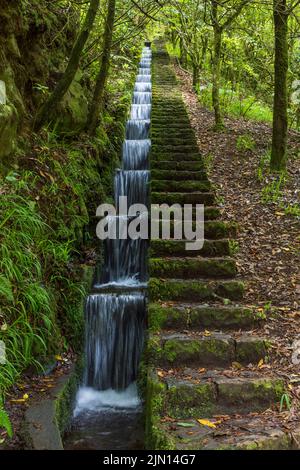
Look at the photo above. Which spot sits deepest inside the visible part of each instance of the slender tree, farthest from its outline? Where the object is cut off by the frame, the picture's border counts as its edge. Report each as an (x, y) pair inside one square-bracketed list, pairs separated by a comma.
[(280, 115), (98, 97), (46, 112), (221, 22)]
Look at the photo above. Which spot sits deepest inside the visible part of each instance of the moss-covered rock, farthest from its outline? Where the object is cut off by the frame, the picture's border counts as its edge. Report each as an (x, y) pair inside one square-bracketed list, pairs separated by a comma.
[(73, 109), (8, 130)]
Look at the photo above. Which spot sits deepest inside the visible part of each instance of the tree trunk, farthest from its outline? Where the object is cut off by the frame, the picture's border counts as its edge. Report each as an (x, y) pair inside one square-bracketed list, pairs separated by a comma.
[(216, 77), (196, 75), (46, 112), (280, 116), (183, 54), (97, 103)]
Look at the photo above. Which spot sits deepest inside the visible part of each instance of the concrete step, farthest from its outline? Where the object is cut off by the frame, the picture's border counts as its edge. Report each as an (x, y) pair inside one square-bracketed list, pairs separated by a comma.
[(193, 316), (192, 268), (194, 290)]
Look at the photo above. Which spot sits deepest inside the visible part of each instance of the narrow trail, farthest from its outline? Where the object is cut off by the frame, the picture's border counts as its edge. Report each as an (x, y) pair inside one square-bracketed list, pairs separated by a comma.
[(201, 335)]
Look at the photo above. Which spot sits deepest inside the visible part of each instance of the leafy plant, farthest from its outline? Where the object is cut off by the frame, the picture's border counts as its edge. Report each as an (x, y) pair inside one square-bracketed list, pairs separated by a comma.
[(245, 142), (285, 402), (5, 422)]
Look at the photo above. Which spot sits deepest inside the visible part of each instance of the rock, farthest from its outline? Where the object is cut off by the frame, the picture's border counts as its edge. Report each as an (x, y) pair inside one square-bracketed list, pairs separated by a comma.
[(73, 110), (8, 129)]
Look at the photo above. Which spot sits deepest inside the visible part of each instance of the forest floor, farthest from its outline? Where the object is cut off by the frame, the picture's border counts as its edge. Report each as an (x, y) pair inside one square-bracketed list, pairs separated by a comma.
[(268, 242)]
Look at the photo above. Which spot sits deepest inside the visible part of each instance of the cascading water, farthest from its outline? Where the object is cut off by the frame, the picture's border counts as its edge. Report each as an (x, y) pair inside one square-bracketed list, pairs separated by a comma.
[(115, 321)]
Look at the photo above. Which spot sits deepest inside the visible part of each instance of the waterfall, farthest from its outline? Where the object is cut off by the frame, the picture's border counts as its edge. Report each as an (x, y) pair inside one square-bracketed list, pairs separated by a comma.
[(115, 322), (114, 340)]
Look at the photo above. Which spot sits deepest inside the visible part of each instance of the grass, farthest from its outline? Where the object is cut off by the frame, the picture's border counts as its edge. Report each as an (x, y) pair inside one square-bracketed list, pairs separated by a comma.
[(233, 104), (245, 143)]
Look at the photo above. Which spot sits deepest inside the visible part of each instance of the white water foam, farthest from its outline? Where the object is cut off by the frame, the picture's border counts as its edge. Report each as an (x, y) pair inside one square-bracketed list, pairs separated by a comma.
[(89, 399)]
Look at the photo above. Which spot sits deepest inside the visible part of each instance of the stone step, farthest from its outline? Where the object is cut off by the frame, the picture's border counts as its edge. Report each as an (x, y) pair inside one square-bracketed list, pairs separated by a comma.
[(174, 141), (193, 316), (189, 393), (175, 248), (166, 131), (253, 431), (176, 158), (217, 349), (179, 166), (182, 198), (175, 176), (194, 290), (192, 268), (169, 186), (175, 126), (213, 229), (156, 122), (185, 148)]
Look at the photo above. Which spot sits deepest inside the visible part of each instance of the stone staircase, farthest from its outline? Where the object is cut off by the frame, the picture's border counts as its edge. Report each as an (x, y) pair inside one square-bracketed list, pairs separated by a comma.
[(197, 328)]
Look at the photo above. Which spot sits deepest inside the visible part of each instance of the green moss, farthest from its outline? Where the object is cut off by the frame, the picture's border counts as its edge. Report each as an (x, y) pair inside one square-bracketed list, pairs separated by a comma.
[(250, 350), (186, 401), (188, 351), (156, 437), (194, 290), (192, 268), (8, 130), (178, 186)]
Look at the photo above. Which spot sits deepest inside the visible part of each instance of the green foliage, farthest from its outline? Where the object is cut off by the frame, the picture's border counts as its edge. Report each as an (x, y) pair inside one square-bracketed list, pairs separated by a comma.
[(5, 422), (245, 142), (285, 402), (272, 191)]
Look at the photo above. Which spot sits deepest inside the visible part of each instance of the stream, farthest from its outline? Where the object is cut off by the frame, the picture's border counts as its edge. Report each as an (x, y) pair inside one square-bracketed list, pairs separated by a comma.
[(108, 412)]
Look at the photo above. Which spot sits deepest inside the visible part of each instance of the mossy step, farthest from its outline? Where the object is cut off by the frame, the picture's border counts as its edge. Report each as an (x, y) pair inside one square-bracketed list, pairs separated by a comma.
[(192, 316), (194, 290), (192, 268), (181, 148), (213, 229), (171, 134), (156, 122), (212, 393), (177, 140), (217, 349), (182, 198), (179, 166), (176, 158), (246, 432), (176, 126), (179, 186), (173, 140), (174, 176), (169, 248)]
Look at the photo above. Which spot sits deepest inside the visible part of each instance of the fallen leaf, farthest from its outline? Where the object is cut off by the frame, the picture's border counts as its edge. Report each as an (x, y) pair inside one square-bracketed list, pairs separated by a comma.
[(261, 363), (185, 425), (206, 422)]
